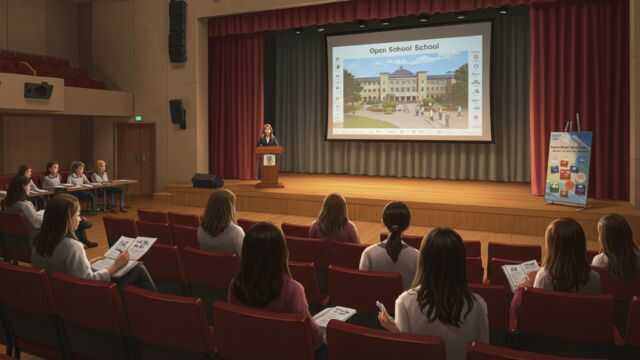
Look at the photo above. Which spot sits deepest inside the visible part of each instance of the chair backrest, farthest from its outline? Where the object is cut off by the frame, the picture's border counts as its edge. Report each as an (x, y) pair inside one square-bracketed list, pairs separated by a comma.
[(495, 275), (622, 290), (518, 253), (167, 321), (165, 265), (411, 240), (498, 303), (184, 219), (272, 336), (14, 224), (473, 248), (564, 316), (632, 335), (475, 272), (480, 351), (361, 289), (246, 224), (185, 236), (305, 274), (295, 230), (15, 236), (94, 328), (309, 250), (212, 270), (349, 342), (346, 255), (155, 230), (116, 227), (156, 217)]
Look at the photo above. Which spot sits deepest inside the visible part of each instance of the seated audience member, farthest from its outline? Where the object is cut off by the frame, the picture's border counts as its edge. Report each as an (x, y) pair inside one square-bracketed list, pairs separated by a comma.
[(77, 178), (565, 268), (264, 280), (56, 248), (51, 177), (27, 172), (218, 232), (333, 223), (100, 176), (619, 254), (393, 254), (17, 199), (440, 303)]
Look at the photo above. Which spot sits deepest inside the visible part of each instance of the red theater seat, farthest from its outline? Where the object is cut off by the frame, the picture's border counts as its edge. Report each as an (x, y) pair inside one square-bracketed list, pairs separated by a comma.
[(246, 224), (361, 289), (475, 272), (349, 342), (495, 275), (346, 255), (165, 266), (160, 231), (498, 302), (633, 324), (305, 274), (150, 216), (517, 253), (185, 236), (116, 227), (480, 351), (309, 250), (184, 219), (295, 230), (15, 237)]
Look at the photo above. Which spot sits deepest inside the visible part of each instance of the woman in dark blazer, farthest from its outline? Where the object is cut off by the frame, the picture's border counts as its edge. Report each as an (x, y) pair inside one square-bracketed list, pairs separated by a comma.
[(267, 138)]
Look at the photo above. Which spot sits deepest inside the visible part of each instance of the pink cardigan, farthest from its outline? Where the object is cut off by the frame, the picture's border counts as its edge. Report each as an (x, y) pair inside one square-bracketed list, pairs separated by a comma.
[(348, 234)]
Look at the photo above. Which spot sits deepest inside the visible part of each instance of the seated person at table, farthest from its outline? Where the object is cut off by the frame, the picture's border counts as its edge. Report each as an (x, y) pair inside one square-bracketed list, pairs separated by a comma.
[(76, 178), (393, 254), (619, 254), (27, 172), (100, 176), (56, 248), (332, 223), (264, 280), (218, 231), (17, 199), (440, 302), (51, 177)]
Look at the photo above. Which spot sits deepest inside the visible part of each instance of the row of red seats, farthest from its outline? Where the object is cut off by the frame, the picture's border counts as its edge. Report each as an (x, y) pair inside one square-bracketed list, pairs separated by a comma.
[(14, 62)]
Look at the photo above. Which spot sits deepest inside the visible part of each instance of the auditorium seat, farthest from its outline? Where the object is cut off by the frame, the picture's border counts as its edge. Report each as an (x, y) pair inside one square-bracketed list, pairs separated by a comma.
[(480, 351), (92, 317), (28, 302), (346, 255), (305, 273), (156, 217), (475, 272), (498, 303), (165, 326), (5, 334), (116, 227), (184, 219), (349, 342), (209, 273), (185, 236), (632, 336), (495, 275), (246, 224), (160, 231), (246, 333), (518, 253), (295, 230), (473, 248), (304, 249), (4, 182), (622, 292), (411, 240), (16, 237), (165, 266), (565, 324)]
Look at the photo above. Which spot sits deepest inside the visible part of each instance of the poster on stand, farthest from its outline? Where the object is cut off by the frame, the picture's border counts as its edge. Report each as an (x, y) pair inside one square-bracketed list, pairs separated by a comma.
[(568, 168)]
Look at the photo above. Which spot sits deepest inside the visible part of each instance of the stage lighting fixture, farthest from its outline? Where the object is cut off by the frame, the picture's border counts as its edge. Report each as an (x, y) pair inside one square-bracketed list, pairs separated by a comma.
[(386, 22), (362, 24), (503, 10), (461, 16), (423, 18), (298, 31)]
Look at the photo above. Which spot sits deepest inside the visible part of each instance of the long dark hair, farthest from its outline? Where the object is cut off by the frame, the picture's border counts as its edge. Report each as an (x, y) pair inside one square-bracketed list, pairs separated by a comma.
[(16, 191), (220, 212), (566, 259), (616, 238), (442, 277), (22, 169), (333, 215), (57, 224), (396, 217), (265, 259)]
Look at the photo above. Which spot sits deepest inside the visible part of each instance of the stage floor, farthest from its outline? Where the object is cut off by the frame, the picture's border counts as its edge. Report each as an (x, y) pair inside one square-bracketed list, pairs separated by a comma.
[(470, 205)]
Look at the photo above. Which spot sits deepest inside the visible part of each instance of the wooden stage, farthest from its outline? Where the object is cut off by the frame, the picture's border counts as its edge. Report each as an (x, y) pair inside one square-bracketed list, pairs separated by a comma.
[(466, 205)]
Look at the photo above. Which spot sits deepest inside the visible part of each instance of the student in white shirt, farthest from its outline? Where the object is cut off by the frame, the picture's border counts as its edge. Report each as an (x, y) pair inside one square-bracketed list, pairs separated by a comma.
[(393, 254), (51, 177), (619, 254), (77, 177), (26, 171), (440, 302), (100, 176), (56, 248)]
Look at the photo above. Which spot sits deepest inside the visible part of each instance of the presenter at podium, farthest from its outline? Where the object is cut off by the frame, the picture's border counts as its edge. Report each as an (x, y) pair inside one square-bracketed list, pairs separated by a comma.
[(267, 138)]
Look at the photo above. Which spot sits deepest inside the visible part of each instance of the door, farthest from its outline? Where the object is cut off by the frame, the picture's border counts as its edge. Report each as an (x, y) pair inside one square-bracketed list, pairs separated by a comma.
[(136, 144)]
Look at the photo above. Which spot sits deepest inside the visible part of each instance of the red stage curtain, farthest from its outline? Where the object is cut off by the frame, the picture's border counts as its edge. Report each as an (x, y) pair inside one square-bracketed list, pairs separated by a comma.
[(235, 104), (580, 63), (343, 12)]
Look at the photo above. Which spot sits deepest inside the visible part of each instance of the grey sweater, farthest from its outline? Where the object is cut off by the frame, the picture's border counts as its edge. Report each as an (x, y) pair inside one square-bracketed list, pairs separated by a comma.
[(69, 258), (73, 179), (375, 258), (51, 181), (230, 240)]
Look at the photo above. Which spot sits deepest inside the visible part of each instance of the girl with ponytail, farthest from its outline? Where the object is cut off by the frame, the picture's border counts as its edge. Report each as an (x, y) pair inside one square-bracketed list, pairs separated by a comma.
[(392, 254)]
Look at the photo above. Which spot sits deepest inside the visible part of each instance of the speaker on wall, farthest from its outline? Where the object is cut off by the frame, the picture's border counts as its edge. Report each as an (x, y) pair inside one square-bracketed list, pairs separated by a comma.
[(178, 31), (178, 113), (41, 90)]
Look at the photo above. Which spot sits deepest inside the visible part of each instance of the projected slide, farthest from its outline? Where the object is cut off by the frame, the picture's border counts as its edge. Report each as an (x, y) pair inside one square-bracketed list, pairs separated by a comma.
[(430, 83)]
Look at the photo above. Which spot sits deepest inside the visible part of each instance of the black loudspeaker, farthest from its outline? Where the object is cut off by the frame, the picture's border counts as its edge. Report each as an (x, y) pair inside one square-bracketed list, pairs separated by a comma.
[(178, 113), (207, 181), (178, 31), (38, 91)]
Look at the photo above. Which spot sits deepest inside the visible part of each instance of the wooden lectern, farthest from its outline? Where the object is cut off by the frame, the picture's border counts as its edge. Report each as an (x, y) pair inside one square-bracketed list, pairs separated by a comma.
[(268, 166)]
